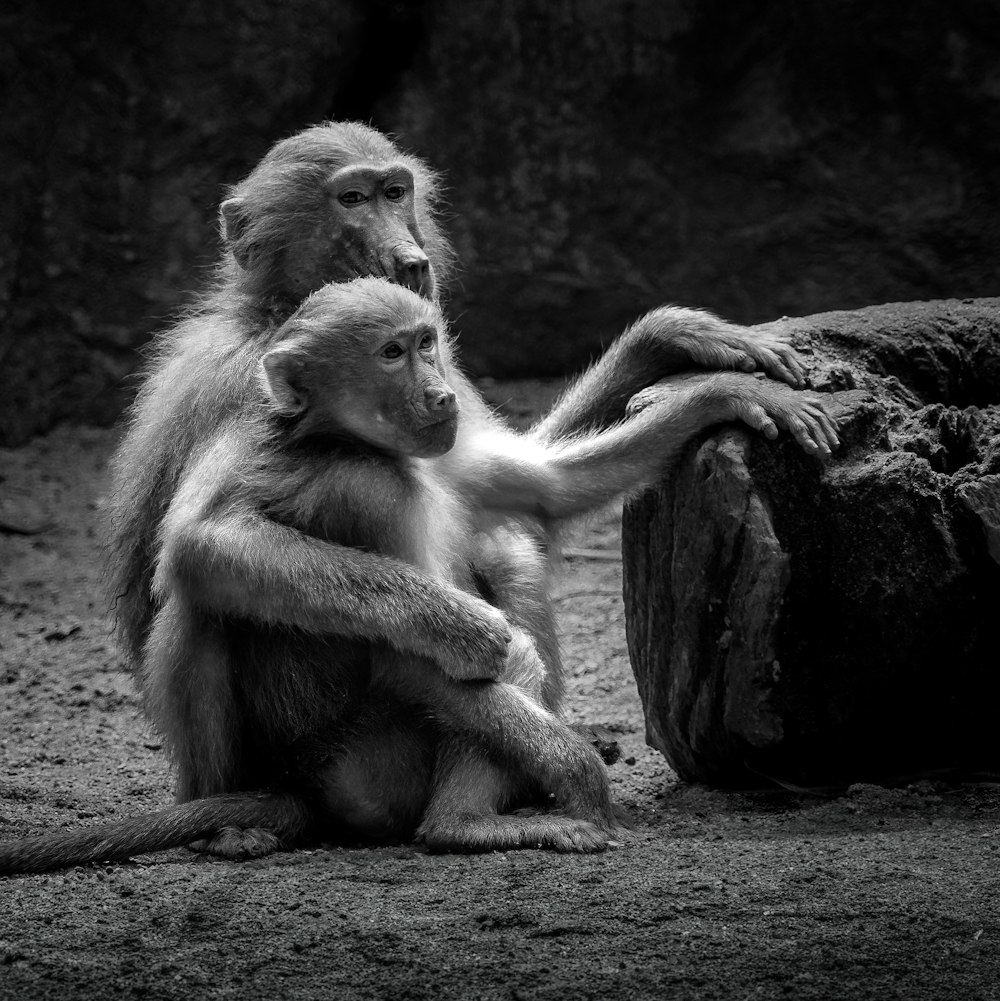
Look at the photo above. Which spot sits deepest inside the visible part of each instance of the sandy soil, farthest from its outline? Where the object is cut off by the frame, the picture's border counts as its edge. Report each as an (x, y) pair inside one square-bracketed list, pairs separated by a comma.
[(873, 893)]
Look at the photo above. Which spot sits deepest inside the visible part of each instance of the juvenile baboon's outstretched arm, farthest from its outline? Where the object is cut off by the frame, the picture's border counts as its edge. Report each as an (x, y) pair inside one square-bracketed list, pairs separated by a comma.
[(664, 342), (565, 479)]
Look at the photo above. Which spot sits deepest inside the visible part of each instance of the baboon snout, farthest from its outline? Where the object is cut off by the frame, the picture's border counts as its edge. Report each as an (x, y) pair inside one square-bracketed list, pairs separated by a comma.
[(411, 268), (440, 401)]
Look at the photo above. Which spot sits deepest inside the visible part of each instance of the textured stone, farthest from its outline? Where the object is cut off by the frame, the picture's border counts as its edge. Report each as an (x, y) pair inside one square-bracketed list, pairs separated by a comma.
[(982, 500), (812, 622)]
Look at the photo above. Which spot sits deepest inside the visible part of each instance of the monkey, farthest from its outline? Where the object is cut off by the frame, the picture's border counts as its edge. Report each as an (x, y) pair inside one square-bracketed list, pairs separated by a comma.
[(316, 582), (329, 204)]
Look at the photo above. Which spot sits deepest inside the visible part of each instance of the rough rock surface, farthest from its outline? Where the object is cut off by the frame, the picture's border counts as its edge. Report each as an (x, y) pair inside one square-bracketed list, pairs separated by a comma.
[(824, 622)]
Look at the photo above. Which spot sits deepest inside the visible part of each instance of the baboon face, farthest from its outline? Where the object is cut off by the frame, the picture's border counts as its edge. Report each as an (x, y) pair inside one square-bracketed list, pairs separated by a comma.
[(331, 226), (366, 361)]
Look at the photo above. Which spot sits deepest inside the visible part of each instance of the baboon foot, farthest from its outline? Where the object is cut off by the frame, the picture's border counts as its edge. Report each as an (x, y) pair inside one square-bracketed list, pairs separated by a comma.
[(496, 833), (239, 843)]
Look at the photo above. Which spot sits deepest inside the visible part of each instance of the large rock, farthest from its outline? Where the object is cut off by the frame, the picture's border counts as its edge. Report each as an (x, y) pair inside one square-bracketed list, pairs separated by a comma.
[(814, 622)]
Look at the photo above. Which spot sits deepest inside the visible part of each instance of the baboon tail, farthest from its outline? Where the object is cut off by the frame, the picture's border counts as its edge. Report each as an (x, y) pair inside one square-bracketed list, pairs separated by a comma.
[(284, 815)]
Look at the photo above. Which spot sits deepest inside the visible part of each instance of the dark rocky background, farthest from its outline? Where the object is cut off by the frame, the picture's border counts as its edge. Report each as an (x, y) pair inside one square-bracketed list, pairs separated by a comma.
[(602, 156)]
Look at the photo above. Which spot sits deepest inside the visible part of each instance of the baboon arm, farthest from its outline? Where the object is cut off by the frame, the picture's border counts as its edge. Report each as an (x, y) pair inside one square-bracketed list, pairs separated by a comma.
[(240, 563), (570, 477), (664, 342)]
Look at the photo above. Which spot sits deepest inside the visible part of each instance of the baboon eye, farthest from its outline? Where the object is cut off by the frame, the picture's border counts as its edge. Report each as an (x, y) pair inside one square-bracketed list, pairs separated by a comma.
[(353, 197), (392, 351), (395, 192), (426, 342)]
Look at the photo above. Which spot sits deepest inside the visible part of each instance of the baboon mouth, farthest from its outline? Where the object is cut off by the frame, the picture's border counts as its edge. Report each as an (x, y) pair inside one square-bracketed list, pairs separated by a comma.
[(438, 437), (448, 424)]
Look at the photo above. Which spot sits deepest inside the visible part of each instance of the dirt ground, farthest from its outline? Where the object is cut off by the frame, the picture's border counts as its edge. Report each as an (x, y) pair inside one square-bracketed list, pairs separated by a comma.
[(873, 893)]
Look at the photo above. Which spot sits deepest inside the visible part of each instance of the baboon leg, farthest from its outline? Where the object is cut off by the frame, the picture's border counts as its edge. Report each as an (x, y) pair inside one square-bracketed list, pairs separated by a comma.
[(189, 692), (463, 815), (377, 784), (512, 728)]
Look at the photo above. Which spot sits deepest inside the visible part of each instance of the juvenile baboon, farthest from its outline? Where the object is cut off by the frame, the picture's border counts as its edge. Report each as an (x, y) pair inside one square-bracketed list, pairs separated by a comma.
[(320, 630)]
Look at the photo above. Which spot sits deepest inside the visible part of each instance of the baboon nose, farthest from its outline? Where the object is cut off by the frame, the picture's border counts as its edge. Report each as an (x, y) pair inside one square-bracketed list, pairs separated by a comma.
[(412, 268), (441, 402)]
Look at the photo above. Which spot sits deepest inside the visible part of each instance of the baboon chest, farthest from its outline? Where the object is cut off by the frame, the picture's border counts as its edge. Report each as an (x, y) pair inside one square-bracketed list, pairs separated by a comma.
[(407, 510)]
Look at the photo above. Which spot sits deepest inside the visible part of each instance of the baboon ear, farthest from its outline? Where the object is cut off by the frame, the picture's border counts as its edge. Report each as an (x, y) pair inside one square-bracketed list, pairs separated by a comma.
[(233, 219), (283, 369)]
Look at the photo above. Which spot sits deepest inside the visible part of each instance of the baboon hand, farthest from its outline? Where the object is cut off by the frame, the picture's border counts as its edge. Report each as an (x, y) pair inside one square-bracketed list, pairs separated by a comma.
[(525, 667), (708, 342), (768, 406), (745, 350), (480, 651)]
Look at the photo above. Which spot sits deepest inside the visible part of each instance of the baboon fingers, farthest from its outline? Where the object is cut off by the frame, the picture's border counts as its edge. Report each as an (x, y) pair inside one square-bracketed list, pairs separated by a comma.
[(804, 434), (757, 417), (485, 654), (784, 366), (827, 427), (790, 358), (776, 356), (822, 426)]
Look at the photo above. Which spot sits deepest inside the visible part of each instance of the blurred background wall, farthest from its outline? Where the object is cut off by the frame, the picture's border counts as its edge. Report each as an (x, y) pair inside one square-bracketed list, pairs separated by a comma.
[(602, 157)]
